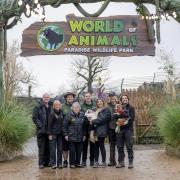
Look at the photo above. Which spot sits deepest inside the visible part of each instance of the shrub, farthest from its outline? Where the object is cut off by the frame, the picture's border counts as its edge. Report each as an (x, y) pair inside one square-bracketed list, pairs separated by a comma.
[(169, 125), (15, 128)]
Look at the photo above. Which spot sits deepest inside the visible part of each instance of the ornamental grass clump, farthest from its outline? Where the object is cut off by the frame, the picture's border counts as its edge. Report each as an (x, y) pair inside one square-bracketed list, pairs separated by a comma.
[(169, 125), (16, 128)]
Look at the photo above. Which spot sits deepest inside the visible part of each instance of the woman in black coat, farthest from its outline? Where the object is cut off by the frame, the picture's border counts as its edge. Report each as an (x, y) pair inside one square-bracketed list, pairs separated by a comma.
[(55, 135), (101, 131), (74, 128)]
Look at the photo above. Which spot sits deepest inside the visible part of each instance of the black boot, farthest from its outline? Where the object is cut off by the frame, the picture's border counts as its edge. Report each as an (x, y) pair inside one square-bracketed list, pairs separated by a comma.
[(120, 165), (112, 164), (65, 164), (84, 164), (130, 165)]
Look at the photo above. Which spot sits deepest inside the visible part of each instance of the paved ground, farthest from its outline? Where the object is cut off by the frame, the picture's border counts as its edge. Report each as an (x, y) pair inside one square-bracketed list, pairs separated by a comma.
[(151, 163)]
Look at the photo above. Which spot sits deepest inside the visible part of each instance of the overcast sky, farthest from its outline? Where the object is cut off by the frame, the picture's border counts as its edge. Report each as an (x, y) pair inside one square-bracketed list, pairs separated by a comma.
[(53, 72)]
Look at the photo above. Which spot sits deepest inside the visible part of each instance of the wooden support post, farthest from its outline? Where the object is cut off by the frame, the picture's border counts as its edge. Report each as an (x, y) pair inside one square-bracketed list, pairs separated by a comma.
[(1, 64), (158, 35)]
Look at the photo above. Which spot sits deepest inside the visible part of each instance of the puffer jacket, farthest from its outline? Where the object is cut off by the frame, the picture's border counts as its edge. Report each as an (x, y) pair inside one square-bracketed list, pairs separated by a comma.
[(101, 124), (74, 126)]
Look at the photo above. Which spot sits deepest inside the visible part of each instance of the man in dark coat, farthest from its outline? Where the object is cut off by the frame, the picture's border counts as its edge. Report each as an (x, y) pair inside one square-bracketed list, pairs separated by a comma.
[(112, 127), (66, 109), (88, 105), (40, 118), (125, 136)]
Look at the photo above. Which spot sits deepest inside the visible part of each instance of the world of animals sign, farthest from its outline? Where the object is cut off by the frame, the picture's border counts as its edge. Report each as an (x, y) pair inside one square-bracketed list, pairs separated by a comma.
[(103, 36)]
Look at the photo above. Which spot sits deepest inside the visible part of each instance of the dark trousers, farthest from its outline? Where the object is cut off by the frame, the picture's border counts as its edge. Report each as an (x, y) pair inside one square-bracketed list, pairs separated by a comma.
[(100, 145), (112, 144), (125, 137), (65, 145), (85, 150), (92, 147), (55, 146), (43, 149), (75, 150)]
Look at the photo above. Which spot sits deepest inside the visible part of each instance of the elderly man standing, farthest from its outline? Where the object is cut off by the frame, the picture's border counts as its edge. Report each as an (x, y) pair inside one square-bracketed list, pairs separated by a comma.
[(40, 118)]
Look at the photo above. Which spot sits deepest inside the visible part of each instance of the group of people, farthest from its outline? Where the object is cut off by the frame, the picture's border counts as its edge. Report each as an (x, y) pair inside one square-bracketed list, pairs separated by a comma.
[(65, 130)]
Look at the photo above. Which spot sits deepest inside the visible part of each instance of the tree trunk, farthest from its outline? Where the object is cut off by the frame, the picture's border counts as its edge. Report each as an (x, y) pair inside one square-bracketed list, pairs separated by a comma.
[(1, 66), (90, 86)]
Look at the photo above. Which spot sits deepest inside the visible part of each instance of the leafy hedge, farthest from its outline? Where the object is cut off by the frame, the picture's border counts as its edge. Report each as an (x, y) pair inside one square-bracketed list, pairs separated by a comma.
[(169, 125), (16, 128)]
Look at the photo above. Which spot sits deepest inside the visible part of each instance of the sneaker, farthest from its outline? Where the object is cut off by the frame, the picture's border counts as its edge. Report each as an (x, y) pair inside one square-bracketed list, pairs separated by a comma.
[(60, 166), (72, 166), (84, 164), (120, 165), (65, 164), (103, 165), (91, 163), (79, 166), (53, 167), (130, 166), (41, 166), (96, 165), (112, 164)]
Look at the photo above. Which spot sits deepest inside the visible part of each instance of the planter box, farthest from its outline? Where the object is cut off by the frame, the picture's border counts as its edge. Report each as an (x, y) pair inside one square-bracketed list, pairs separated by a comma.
[(172, 151), (11, 156)]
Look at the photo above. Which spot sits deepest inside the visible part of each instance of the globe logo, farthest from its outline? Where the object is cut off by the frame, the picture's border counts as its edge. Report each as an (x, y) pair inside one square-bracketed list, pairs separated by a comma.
[(50, 37)]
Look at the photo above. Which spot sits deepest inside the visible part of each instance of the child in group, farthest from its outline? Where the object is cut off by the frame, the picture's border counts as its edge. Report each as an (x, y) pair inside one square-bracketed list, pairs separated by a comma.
[(122, 117)]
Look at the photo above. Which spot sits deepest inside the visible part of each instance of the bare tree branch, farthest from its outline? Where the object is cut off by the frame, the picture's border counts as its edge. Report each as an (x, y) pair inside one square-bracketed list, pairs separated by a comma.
[(89, 69), (82, 75), (14, 73)]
